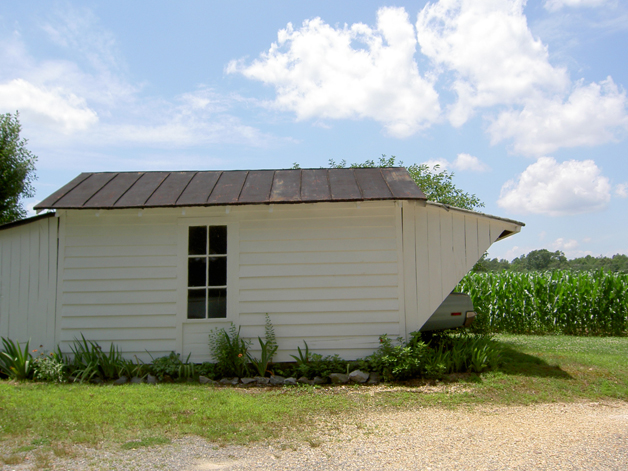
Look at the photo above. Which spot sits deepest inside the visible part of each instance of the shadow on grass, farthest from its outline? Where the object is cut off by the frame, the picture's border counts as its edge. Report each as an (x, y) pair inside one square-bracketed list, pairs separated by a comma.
[(518, 363)]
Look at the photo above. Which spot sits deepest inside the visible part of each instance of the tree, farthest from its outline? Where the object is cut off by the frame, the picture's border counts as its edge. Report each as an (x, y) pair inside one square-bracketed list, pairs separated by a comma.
[(437, 184), (17, 169)]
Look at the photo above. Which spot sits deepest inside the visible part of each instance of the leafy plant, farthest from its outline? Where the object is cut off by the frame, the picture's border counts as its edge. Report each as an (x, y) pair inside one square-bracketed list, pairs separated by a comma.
[(15, 362), (229, 350), (268, 350), (49, 368), (304, 356), (89, 361), (172, 366)]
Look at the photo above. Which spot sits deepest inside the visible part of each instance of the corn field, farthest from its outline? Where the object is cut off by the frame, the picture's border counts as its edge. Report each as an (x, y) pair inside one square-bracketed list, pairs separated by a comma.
[(559, 301)]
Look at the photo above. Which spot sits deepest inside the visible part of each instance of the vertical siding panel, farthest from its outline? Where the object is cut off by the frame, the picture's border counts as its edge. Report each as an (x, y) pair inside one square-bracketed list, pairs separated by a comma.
[(19, 321), (62, 222), (484, 235), (435, 266), (51, 293), (401, 319), (5, 283), (471, 240), (42, 291), (33, 326), (410, 267), (422, 264), (447, 252), (459, 245)]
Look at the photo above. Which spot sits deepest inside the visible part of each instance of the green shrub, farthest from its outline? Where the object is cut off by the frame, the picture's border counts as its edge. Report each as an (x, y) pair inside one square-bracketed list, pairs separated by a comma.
[(49, 368), (170, 365), (443, 353), (229, 350), (15, 362)]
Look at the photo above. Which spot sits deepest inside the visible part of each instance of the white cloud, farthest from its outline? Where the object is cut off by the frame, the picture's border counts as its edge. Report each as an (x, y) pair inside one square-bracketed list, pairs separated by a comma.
[(547, 187), (466, 162), (563, 244), (621, 190), (463, 163), (592, 115), (91, 102), (570, 247), (553, 5), (489, 47), (320, 71), (47, 106)]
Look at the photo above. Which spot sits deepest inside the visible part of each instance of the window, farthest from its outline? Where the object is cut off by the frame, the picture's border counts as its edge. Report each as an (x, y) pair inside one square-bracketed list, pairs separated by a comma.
[(207, 272)]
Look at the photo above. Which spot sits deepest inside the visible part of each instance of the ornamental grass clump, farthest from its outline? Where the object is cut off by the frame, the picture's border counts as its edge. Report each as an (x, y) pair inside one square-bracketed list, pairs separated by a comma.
[(89, 361), (16, 362)]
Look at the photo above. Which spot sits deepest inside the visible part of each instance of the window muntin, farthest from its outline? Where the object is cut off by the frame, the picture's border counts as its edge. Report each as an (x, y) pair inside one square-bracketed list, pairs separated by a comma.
[(207, 272)]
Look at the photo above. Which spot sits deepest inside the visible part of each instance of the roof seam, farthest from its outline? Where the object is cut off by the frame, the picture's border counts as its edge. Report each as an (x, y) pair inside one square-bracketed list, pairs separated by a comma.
[(156, 188), (72, 189), (185, 188), (357, 183), (127, 190), (221, 173), (386, 182), (104, 185)]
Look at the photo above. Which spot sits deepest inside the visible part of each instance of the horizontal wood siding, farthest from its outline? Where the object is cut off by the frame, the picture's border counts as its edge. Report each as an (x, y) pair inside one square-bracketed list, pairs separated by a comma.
[(28, 267), (327, 274), (118, 281)]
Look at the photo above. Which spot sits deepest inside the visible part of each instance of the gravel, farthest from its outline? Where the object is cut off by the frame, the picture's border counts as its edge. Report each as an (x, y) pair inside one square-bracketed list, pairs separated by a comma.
[(574, 436)]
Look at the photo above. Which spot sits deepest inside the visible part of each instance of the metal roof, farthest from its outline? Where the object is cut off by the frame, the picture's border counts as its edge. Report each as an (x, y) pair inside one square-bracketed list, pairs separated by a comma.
[(113, 190)]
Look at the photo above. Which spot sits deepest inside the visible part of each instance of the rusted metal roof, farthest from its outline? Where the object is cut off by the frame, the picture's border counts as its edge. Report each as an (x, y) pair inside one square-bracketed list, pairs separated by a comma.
[(109, 190)]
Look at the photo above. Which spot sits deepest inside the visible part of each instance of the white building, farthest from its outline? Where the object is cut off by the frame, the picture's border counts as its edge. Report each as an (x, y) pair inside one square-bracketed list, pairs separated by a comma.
[(152, 261)]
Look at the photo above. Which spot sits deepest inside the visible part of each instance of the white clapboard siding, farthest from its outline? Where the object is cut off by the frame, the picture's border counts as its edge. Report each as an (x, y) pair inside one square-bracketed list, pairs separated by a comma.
[(324, 273), (28, 270), (118, 281), (447, 243)]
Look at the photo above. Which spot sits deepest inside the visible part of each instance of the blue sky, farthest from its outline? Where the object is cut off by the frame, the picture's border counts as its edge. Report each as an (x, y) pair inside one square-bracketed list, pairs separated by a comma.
[(524, 101)]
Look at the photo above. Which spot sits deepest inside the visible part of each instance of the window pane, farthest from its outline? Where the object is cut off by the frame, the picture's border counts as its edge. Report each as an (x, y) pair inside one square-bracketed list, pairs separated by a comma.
[(196, 271), (196, 304), (217, 271), (218, 240), (216, 303), (197, 241)]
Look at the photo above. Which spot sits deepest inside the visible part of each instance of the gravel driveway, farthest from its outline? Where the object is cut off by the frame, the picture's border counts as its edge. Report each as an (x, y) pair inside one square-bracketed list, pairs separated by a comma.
[(591, 436)]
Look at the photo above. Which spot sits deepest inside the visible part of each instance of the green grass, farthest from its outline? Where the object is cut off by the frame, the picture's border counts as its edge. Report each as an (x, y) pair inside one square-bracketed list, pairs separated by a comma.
[(535, 369)]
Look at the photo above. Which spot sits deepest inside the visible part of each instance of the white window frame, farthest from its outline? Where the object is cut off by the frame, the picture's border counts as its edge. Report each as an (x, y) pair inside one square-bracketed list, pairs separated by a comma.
[(232, 269)]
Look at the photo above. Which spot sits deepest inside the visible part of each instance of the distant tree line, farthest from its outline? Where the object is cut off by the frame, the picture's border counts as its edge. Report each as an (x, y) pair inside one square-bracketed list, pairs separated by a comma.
[(543, 259)]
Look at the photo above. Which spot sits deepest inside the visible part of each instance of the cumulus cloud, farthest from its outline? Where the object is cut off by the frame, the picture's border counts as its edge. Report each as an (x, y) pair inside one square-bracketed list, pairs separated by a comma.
[(553, 5), (47, 106), (621, 190), (463, 162), (466, 162), (91, 102), (591, 115), (356, 71), (547, 187), (491, 51)]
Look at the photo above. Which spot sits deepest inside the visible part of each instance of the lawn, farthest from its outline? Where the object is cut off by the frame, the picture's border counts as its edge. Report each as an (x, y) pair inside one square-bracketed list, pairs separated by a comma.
[(534, 369)]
